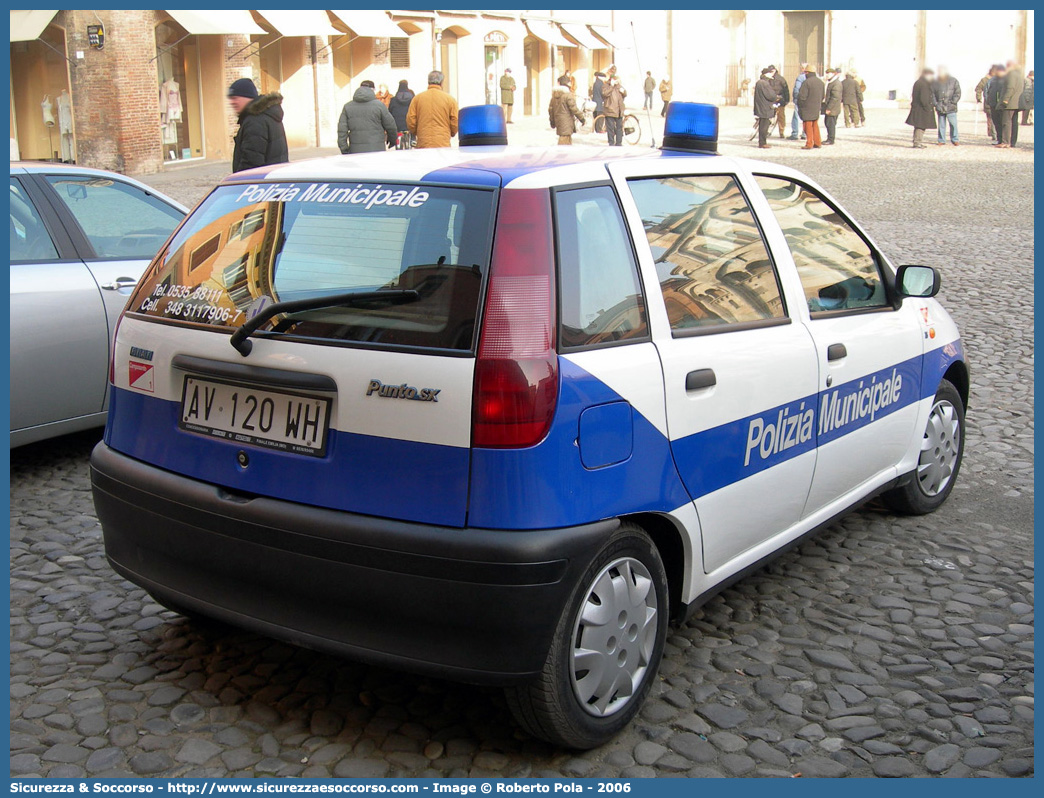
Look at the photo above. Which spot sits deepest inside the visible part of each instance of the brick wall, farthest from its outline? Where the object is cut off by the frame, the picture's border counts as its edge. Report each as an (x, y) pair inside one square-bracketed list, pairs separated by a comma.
[(241, 65), (114, 91)]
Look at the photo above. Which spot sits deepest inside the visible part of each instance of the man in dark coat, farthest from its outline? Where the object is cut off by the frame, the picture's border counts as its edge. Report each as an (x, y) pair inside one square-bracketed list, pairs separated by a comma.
[(980, 99), (993, 92), (947, 92), (922, 108), (399, 106), (810, 106), (596, 93), (1010, 103), (260, 140), (851, 97), (832, 103), (366, 124), (779, 85), (765, 102)]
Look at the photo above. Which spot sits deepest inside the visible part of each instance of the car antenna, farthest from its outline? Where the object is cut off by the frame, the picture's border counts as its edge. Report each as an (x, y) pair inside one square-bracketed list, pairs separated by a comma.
[(648, 111)]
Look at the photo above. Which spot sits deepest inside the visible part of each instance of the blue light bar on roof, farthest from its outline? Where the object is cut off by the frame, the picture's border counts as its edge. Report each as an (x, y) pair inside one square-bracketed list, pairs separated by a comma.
[(691, 127), (478, 125)]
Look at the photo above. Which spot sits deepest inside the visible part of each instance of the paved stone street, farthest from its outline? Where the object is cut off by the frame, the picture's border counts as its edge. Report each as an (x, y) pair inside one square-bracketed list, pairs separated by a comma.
[(886, 646)]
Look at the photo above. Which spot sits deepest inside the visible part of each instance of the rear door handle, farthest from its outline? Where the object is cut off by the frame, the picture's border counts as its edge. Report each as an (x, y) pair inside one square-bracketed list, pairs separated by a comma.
[(836, 352), (120, 283), (699, 379)]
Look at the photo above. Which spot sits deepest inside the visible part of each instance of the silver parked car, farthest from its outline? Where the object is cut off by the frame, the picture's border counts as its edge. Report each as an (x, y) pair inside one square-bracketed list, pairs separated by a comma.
[(80, 240)]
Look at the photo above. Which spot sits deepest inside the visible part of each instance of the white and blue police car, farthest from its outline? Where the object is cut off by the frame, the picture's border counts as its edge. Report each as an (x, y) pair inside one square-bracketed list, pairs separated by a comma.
[(503, 414)]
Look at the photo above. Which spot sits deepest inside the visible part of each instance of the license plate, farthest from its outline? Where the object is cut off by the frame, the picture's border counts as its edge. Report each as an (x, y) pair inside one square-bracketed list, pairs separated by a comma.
[(289, 422)]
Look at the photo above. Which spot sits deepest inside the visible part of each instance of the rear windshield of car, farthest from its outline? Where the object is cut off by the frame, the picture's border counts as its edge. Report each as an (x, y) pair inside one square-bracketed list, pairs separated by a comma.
[(247, 245)]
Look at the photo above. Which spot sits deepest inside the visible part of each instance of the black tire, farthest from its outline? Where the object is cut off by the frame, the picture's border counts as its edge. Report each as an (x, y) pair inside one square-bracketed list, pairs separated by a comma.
[(548, 707), (911, 498)]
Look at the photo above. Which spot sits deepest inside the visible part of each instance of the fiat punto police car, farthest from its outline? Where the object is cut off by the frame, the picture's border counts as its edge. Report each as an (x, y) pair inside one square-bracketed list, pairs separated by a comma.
[(502, 415)]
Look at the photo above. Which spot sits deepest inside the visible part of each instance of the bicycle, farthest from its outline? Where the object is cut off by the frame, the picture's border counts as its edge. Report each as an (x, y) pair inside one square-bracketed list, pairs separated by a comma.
[(404, 140), (592, 123), (632, 128)]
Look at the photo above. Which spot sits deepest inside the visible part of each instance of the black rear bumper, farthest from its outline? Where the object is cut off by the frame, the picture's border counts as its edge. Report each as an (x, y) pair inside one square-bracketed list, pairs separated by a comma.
[(469, 604)]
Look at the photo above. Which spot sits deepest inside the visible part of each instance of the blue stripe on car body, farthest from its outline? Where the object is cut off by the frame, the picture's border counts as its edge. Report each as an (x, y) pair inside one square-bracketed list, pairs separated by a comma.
[(430, 487), (544, 486)]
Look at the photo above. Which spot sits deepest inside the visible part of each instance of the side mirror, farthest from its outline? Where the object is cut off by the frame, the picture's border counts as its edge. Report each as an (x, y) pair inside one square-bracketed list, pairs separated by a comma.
[(76, 191), (919, 281)]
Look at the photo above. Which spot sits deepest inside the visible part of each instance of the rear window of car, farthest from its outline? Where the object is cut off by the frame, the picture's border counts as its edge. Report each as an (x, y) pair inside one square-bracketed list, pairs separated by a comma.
[(247, 245)]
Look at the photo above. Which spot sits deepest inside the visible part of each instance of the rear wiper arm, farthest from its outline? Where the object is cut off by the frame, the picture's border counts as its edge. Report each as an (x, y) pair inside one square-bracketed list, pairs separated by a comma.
[(240, 339)]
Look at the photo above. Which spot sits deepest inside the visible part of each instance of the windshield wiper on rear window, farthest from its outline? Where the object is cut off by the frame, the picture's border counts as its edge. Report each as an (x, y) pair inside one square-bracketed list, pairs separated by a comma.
[(240, 339)]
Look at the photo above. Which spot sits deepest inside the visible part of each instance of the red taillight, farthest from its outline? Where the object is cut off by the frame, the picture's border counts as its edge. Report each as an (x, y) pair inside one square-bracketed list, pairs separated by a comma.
[(516, 374)]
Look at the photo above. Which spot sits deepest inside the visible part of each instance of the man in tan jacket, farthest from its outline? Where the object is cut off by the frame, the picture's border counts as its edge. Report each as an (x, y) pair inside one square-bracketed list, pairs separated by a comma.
[(432, 117)]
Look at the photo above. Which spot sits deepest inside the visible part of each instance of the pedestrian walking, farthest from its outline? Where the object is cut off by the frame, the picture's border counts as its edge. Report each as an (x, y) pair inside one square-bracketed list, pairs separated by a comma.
[(1009, 104), (261, 139), (766, 101), (366, 125), (507, 94), (1027, 100), (399, 107), (795, 118), (947, 93), (400, 104), (432, 117), (597, 93), (613, 95), (862, 93), (922, 108), (648, 87), (779, 85), (666, 92), (851, 97), (810, 106), (383, 94), (832, 103), (980, 100), (993, 93), (562, 111)]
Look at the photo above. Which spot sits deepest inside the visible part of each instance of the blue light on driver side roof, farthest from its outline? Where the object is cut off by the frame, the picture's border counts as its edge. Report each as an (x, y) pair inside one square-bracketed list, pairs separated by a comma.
[(481, 124), (691, 127)]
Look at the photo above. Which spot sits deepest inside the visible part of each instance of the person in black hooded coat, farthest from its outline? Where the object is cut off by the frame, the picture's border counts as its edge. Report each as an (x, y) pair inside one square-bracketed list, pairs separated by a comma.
[(261, 139), (400, 104), (922, 108)]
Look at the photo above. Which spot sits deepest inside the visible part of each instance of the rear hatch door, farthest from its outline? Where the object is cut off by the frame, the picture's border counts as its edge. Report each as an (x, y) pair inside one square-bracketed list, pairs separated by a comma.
[(363, 405)]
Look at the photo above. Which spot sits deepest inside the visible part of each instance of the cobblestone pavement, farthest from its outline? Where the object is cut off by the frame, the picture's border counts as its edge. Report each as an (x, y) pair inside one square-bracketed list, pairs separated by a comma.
[(885, 646)]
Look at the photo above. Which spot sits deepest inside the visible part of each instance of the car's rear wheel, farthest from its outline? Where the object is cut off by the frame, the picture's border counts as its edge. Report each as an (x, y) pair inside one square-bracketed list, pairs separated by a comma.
[(606, 650), (942, 449)]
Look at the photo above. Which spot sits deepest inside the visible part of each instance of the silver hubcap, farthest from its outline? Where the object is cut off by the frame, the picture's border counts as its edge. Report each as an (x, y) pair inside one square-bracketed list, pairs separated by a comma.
[(614, 637), (942, 442)]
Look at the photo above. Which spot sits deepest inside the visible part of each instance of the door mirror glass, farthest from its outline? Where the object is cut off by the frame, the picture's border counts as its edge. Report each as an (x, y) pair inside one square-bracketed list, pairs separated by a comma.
[(76, 191), (920, 281)]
